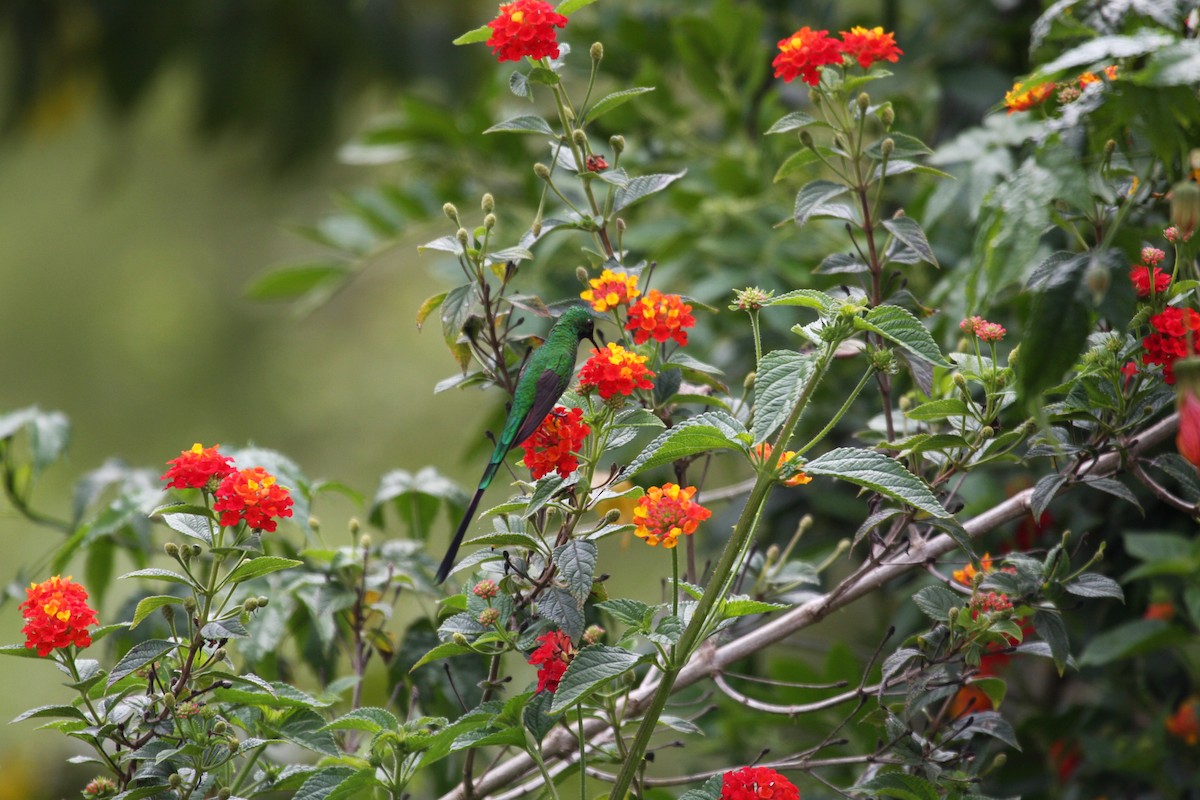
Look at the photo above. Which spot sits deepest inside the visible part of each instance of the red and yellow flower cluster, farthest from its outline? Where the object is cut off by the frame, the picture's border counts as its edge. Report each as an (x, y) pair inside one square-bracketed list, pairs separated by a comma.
[(525, 28), (763, 452), (1185, 722), (250, 495), (57, 615), (1020, 98), (660, 317), (553, 447), (610, 291), (1174, 332), (982, 329), (614, 370), (806, 51), (667, 512), (552, 657), (757, 783)]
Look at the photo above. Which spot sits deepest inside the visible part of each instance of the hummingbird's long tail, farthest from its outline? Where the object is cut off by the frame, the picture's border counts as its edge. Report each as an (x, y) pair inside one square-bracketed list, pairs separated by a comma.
[(448, 560)]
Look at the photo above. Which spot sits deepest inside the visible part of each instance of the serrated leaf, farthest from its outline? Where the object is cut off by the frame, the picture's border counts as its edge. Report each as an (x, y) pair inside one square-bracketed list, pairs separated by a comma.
[(910, 232), (797, 161), (611, 101), (642, 187), (990, 723), (1044, 491), (1056, 331), (148, 605), (444, 650), (779, 380), (744, 606), (878, 473), (813, 197), (1090, 584), (936, 601), (809, 298), (1053, 632), (633, 613), (224, 629), (1115, 488), (790, 122), (480, 34), (590, 668), (161, 574), (1129, 639), (69, 712), (193, 525), (576, 561), (900, 786), (369, 719), (139, 656), (263, 565), (898, 325), (430, 305), (935, 410), (561, 608), (530, 123), (712, 430), (321, 784)]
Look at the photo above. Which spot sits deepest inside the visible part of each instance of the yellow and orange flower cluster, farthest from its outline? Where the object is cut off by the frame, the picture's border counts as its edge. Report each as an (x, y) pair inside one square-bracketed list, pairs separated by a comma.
[(806, 51), (797, 478), (660, 317), (667, 512), (57, 615), (1020, 98), (611, 290), (553, 446), (526, 28), (614, 370), (1086, 78), (252, 496), (866, 46), (966, 575)]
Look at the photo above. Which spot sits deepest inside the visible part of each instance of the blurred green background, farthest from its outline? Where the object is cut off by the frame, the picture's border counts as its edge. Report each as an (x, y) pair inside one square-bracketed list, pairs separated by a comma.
[(154, 158)]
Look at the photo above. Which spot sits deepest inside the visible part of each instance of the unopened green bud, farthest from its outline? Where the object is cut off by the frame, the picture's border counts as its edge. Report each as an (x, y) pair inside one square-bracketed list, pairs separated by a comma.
[(612, 516), (864, 101), (617, 143), (579, 138), (196, 551), (959, 380), (175, 780), (224, 793), (772, 554), (489, 617), (748, 381), (596, 51), (488, 204), (185, 553), (262, 600), (219, 654), (1185, 207), (807, 140), (593, 634), (460, 640), (463, 237), (219, 727), (887, 147), (450, 211), (168, 612), (905, 402), (1013, 355), (542, 171), (999, 761), (171, 549), (1110, 147), (581, 275), (189, 604), (620, 225), (250, 604), (169, 699), (536, 228), (364, 541), (805, 523), (489, 222), (986, 432), (314, 524), (887, 116)]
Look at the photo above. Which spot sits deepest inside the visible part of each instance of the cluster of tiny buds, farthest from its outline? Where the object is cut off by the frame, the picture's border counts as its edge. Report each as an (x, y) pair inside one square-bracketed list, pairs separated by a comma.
[(1152, 256), (486, 589), (489, 617), (751, 298), (593, 634), (991, 602)]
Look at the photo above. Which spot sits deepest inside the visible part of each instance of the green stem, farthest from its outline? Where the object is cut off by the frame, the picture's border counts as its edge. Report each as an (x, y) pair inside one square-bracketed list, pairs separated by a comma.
[(536, 755), (757, 336), (743, 533), (841, 412), (675, 581), (582, 756)]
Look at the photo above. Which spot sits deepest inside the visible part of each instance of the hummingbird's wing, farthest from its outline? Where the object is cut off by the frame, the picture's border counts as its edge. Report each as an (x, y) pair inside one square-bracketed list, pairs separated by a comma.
[(550, 387)]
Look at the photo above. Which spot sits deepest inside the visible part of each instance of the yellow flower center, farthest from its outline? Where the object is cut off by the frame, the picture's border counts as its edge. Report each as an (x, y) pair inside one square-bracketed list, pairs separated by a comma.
[(518, 17)]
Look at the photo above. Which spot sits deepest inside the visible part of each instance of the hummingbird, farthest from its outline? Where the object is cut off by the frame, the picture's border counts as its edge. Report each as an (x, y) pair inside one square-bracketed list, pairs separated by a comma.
[(542, 382)]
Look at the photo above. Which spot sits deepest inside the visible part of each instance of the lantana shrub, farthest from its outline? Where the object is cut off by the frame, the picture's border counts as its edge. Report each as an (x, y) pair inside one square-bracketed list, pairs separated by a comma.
[(875, 416)]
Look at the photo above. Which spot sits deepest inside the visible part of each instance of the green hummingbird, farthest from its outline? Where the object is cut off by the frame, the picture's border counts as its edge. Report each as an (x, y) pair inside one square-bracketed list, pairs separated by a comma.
[(543, 380)]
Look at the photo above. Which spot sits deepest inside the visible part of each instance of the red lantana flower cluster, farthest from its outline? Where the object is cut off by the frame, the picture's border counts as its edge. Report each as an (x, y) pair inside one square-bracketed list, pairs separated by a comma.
[(252, 496), (806, 51), (197, 468), (1139, 276), (660, 317), (611, 290), (757, 783), (525, 28), (1185, 722), (982, 329), (667, 512), (614, 370), (57, 615), (1173, 330), (990, 603), (551, 658), (553, 446)]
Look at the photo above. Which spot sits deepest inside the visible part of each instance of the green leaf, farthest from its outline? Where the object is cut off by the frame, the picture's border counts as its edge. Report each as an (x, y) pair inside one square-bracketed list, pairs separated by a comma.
[(778, 382), (1129, 639), (712, 430), (744, 606), (936, 601), (576, 561), (280, 695), (590, 668), (809, 298), (19, 650), (1053, 632), (369, 719), (561, 608), (938, 410), (162, 574), (898, 325), (322, 783), (70, 712), (224, 629), (481, 34), (530, 123), (909, 231), (812, 200), (1044, 491), (569, 7), (297, 280), (791, 122), (797, 161), (878, 473), (193, 525), (1090, 584), (1109, 48), (430, 305), (139, 656), (1056, 331), (609, 102), (900, 786), (263, 565), (149, 605), (445, 650), (633, 613), (642, 187)]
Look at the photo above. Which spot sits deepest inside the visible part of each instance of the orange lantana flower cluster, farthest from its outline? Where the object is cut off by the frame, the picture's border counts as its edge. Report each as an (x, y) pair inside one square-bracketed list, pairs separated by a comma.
[(57, 615), (660, 317), (553, 446), (611, 290), (252, 496), (1019, 98), (763, 452), (667, 512), (868, 46), (806, 51), (614, 370), (1185, 722), (525, 28)]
